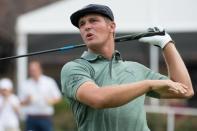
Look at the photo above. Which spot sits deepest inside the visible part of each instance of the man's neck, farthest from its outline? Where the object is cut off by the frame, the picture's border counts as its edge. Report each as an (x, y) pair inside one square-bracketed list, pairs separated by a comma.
[(37, 78), (106, 51)]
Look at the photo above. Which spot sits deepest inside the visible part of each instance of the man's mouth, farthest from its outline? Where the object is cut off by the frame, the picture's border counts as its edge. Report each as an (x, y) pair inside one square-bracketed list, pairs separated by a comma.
[(89, 36)]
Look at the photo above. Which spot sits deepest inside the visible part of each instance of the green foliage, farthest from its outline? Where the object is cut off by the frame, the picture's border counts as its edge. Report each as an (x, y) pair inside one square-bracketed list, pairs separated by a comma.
[(63, 118), (158, 122)]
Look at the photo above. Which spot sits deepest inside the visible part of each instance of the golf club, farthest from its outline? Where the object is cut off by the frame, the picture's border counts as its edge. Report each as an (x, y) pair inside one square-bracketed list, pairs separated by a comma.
[(117, 39)]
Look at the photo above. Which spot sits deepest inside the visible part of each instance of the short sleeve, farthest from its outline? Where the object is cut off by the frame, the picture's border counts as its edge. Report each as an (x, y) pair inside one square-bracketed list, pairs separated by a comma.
[(73, 75), (24, 91), (55, 92)]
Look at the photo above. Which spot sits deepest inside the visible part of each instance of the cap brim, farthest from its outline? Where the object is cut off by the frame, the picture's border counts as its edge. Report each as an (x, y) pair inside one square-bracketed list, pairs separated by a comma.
[(80, 13)]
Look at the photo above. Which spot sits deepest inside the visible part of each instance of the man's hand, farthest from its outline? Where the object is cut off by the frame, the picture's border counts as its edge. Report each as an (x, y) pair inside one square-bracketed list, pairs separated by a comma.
[(52, 101), (157, 40), (169, 89), (27, 100)]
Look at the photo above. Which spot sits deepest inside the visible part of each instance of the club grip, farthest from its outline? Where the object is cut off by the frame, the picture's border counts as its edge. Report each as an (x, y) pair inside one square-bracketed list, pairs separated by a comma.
[(137, 36)]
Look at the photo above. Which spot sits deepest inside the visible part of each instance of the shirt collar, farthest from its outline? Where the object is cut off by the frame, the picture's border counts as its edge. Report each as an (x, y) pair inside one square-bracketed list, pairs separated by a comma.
[(39, 79), (90, 56)]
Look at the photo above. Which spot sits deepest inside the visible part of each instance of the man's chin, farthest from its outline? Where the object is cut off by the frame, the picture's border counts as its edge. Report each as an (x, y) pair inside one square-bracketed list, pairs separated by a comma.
[(93, 45)]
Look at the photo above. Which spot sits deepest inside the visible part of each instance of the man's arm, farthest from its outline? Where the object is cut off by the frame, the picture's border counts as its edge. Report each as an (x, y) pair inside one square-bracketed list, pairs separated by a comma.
[(55, 95), (177, 70), (176, 67), (116, 95), (53, 101)]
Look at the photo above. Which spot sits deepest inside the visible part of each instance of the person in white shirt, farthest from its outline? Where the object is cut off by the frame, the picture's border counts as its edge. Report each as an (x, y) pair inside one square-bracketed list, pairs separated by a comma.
[(38, 95), (9, 107)]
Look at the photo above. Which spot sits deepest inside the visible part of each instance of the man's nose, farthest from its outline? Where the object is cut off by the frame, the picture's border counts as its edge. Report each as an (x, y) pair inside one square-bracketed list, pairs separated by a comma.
[(88, 26)]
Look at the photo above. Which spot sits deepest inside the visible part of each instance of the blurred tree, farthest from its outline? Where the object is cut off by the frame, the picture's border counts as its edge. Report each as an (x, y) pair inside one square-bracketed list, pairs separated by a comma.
[(9, 11), (6, 49)]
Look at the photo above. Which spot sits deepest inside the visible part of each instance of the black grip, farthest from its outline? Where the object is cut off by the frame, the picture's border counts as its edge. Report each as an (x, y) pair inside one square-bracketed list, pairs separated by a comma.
[(137, 36)]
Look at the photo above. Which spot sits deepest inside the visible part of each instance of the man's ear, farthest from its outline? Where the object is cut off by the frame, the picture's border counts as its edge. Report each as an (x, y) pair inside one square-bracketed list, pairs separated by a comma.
[(112, 26)]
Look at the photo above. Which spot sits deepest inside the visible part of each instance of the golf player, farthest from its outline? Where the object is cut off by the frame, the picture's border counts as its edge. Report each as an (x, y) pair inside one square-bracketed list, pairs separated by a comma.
[(106, 92)]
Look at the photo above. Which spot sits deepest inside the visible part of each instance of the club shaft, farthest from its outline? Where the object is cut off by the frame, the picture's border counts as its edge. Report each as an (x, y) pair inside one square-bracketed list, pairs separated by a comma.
[(117, 39)]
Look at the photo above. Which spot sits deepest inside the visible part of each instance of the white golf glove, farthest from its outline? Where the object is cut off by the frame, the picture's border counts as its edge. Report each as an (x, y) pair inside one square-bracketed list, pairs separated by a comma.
[(157, 40)]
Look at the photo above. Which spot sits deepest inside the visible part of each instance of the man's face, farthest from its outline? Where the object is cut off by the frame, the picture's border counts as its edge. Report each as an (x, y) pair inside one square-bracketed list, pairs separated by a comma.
[(95, 30), (5, 92), (35, 70)]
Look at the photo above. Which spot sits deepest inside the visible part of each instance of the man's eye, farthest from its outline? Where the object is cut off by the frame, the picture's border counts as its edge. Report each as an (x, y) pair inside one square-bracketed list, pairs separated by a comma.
[(81, 24)]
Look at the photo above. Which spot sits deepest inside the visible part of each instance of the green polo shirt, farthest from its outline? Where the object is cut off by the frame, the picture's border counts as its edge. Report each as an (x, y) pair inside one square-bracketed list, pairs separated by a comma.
[(95, 68)]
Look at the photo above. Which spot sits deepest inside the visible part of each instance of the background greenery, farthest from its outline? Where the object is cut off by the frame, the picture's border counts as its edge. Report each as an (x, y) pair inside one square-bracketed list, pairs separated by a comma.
[(64, 120)]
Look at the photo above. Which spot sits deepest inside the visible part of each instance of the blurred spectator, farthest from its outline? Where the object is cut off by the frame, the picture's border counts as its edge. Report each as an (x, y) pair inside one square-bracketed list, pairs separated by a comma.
[(38, 95), (9, 107)]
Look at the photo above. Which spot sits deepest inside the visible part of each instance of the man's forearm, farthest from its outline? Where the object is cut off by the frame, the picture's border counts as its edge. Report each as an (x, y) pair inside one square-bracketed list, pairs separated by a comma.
[(53, 101), (111, 96), (122, 94)]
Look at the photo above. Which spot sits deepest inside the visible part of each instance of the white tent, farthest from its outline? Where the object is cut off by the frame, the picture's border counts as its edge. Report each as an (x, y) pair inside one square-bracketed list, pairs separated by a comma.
[(130, 16)]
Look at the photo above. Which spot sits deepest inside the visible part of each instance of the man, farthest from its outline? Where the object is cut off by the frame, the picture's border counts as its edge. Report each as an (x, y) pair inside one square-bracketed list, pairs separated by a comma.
[(9, 107), (38, 95), (107, 93)]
